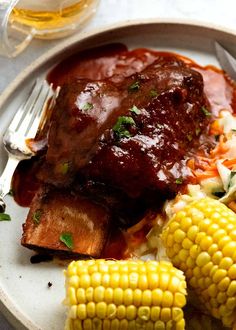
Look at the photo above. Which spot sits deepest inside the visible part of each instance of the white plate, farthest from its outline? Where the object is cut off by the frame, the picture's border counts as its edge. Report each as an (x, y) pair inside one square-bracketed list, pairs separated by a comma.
[(24, 295)]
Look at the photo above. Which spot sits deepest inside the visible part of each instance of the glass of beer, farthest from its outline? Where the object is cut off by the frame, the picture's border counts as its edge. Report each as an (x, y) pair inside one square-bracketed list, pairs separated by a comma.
[(23, 20)]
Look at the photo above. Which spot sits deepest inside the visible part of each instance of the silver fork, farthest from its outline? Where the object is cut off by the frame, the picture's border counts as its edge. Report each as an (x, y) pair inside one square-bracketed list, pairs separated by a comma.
[(27, 120)]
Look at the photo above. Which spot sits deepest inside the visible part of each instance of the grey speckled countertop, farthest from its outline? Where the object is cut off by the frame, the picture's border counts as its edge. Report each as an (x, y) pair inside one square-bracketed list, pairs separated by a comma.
[(111, 11)]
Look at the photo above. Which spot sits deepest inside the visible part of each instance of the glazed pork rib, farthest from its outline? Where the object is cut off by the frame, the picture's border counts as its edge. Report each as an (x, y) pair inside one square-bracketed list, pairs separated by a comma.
[(132, 135)]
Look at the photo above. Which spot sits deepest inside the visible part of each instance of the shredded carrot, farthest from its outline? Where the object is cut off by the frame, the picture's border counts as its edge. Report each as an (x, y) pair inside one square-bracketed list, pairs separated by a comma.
[(191, 164), (206, 175), (215, 128), (220, 148), (229, 162)]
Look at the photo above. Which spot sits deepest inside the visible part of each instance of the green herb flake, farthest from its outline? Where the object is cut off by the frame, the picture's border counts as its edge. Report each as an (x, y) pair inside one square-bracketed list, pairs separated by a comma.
[(233, 130), (197, 131), (135, 110), (189, 137), (5, 217), (120, 128), (87, 106), (179, 181), (64, 167), (36, 217), (205, 111), (67, 239), (134, 87), (153, 93)]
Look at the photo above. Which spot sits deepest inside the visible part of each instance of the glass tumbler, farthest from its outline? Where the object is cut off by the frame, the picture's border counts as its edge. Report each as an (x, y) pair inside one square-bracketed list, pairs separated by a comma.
[(23, 20)]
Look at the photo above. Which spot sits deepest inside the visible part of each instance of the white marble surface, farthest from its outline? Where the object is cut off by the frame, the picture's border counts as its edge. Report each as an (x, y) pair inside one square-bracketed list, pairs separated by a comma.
[(111, 11)]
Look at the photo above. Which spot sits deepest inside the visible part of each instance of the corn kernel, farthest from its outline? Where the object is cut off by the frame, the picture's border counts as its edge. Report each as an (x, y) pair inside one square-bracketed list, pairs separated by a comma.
[(202, 259), (183, 254), (72, 295), (81, 297), (187, 243), (91, 309), (131, 312), (159, 325), (221, 297), (212, 290), (133, 280), (212, 249), (157, 295), (121, 312), (155, 313), (124, 281), (165, 315), (231, 291), (105, 280), (115, 324), (220, 233), (219, 275), (124, 324), (96, 279), (223, 242), (232, 272), (226, 263), (217, 257), (87, 324), (194, 251), (231, 303), (82, 311), (111, 311), (144, 313), (179, 300), (179, 236), (106, 325), (108, 295), (167, 299), (153, 280), (185, 223), (223, 284), (164, 279), (229, 249)]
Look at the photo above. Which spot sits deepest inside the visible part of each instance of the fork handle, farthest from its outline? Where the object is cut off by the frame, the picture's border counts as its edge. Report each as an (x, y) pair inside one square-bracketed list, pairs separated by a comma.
[(5, 180)]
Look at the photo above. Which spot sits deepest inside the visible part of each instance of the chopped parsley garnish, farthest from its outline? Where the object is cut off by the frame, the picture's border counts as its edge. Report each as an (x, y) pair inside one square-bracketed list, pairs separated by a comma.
[(120, 128), (189, 137), (87, 106), (135, 110), (205, 111), (5, 217), (37, 216), (67, 239), (197, 131), (153, 93), (64, 167), (134, 87), (179, 181)]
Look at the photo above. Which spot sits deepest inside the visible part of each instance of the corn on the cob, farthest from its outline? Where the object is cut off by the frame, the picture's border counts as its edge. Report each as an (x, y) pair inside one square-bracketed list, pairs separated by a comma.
[(201, 241), (108, 294)]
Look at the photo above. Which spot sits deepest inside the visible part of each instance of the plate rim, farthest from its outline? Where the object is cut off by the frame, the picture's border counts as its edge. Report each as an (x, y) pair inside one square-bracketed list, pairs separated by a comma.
[(15, 316)]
